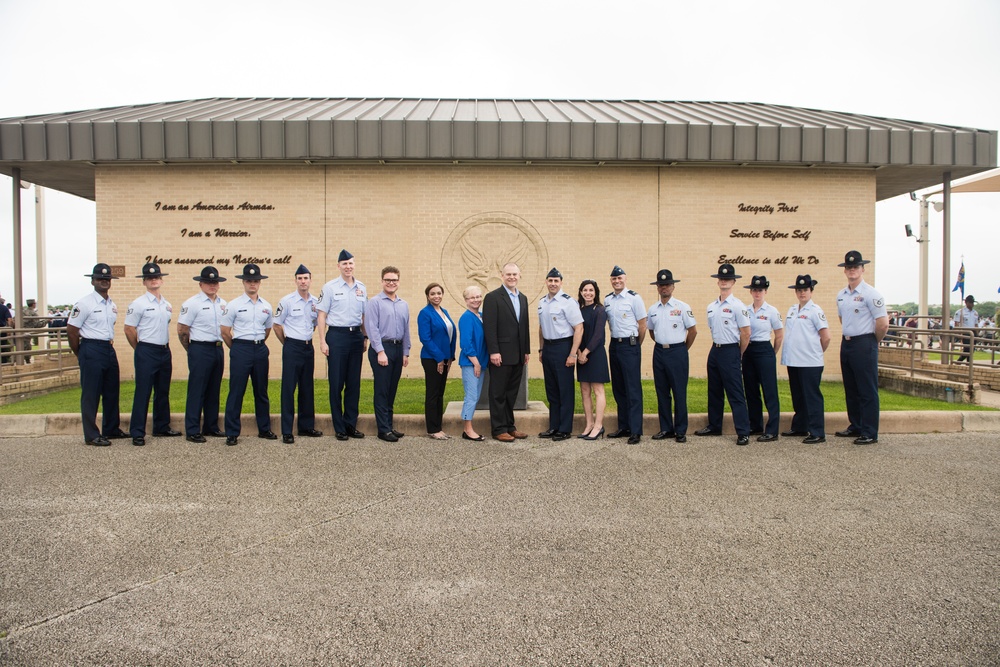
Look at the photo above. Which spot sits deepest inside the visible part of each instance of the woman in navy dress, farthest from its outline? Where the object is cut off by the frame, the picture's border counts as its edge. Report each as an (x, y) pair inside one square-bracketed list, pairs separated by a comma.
[(592, 362)]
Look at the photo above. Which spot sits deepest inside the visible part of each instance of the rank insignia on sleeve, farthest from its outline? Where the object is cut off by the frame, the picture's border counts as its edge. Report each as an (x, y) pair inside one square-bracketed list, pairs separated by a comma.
[(76, 312), (184, 310), (879, 302), (129, 311), (822, 316), (278, 310)]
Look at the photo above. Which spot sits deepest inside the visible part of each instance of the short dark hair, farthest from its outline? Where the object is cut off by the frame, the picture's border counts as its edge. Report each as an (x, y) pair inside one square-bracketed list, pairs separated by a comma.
[(597, 292), (388, 269)]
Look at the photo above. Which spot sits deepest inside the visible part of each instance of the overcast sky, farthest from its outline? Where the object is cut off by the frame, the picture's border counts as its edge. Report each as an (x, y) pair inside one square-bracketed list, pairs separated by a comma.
[(912, 59)]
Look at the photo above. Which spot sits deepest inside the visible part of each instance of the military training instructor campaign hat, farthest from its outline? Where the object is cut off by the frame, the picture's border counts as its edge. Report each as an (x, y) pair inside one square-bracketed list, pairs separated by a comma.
[(804, 281), (251, 272), (151, 270), (759, 282), (210, 274), (853, 258), (102, 271), (726, 272), (664, 277)]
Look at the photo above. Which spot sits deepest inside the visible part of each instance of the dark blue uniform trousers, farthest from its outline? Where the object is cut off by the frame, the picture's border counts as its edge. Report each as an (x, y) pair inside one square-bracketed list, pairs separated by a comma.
[(560, 389), (248, 360), (859, 366), (99, 384), (347, 350), (298, 360), (626, 383), (671, 368), (386, 381), (760, 373), (726, 377), (206, 362), (807, 400), (153, 368)]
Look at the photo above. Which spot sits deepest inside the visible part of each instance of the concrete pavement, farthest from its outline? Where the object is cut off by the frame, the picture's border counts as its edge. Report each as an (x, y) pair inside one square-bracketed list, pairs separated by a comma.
[(539, 553)]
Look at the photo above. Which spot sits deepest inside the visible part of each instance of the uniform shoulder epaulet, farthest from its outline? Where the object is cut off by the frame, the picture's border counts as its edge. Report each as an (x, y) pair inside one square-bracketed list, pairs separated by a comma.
[(567, 296), (633, 292)]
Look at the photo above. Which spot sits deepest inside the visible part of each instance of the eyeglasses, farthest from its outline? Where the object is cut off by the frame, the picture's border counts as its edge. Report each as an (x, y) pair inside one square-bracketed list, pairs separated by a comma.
[(390, 280)]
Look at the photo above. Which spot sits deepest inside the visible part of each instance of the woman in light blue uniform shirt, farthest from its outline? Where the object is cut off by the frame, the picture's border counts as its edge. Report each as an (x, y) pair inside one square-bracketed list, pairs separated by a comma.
[(807, 336), (760, 372)]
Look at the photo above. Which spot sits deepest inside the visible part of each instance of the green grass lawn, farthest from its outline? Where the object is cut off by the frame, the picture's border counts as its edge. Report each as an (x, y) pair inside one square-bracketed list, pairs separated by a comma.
[(410, 398)]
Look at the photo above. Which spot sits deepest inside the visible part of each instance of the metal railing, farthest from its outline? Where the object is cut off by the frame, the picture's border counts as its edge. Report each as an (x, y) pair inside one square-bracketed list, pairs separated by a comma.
[(953, 359), (34, 352)]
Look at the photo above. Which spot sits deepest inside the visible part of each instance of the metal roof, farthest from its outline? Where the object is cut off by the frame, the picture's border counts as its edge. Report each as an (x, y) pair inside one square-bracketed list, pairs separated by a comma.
[(61, 150)]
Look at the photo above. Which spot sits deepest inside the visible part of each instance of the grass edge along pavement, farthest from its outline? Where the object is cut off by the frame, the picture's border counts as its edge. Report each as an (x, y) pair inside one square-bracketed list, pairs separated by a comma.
[(410, 398)]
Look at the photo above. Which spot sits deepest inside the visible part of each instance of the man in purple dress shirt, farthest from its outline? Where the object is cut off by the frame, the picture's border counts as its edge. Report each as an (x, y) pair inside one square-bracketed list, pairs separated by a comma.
[(387, 324)]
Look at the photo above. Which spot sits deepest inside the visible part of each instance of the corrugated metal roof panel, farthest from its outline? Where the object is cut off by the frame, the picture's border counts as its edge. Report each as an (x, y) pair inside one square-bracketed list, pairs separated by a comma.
[(626, 131)]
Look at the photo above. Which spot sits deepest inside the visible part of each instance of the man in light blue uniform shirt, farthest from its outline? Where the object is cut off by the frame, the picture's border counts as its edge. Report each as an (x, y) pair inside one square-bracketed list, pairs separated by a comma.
[(729, 321), (672, 329), (627, 321), (91, 334), (341, 307), (245, 326), (294, 325), (387, 323), (967, 318), (560, 328), (760, 373), (147, 328), (865, 321), (198, 328)]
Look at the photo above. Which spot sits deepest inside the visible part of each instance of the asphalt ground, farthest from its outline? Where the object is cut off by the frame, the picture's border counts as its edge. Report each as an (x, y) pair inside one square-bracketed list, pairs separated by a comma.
[(537, 553)]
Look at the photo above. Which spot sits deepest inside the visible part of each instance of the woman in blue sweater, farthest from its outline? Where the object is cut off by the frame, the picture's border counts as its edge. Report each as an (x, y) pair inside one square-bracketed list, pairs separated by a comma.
[(473, 359)]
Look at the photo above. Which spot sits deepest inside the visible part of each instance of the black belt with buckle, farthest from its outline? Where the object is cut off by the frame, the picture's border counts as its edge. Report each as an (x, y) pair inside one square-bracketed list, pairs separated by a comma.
[(156, 345), (724, 344), (248, 341), (859, 336), (346, 329), (213, 343), (393, 341)]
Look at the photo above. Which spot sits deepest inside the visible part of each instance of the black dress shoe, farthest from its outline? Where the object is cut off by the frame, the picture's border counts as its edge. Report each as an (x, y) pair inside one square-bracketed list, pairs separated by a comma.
[(288, 439), (169, 433), (466, 436), (756, 431), (214, 434), (848, 433), (343, 436), (139, 442), (794, 434), (99, 441), (548, 434), (398, 434), (311, 433), (232, 441), (865, 441), (682, 438), (267, 435), (620, 433), (388, 437), (197, 437), (117, 434), (557, 436), (707, 431), (814, 440), (354, 433), (634, 439), (767, 437), (743, 440), (663, 435)]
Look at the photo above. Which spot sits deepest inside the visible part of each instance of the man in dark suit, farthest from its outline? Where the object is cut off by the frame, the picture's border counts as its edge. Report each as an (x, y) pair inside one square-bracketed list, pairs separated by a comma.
[(505, 328)]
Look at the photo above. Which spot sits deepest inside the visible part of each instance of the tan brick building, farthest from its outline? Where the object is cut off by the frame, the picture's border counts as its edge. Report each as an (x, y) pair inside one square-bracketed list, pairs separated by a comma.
[(580, 186)]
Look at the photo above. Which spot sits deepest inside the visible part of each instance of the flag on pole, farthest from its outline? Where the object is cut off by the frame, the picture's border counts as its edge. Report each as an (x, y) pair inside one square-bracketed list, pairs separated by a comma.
[(960, 284)]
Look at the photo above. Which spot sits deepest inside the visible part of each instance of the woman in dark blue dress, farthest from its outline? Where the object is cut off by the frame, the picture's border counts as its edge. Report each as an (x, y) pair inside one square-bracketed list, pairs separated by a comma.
[(592, 362)]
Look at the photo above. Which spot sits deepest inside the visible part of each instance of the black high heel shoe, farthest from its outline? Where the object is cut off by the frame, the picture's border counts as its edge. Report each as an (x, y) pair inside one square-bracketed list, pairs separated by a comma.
[(600, 434), (583, 435)]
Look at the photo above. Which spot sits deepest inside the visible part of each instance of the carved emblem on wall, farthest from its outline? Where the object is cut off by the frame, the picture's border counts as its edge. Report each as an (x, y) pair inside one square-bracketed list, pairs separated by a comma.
[(480, 245)]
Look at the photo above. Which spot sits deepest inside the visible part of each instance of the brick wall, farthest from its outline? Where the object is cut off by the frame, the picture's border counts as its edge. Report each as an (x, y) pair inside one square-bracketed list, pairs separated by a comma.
[(456, 224)]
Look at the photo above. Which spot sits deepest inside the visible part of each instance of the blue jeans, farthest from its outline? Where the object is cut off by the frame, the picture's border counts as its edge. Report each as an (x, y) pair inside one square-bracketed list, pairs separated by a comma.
[(473, 388)]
